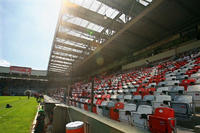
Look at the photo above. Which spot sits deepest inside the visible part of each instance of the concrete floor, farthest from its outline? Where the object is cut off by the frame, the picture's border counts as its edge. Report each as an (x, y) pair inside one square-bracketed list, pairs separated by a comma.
[(184, 130)]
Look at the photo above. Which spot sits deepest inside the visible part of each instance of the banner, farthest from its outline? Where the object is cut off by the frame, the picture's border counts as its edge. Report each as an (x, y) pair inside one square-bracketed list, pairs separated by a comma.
[(20, 70)]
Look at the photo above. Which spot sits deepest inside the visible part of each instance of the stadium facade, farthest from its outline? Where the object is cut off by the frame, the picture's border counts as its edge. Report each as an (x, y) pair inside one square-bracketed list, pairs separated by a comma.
[(14, 80)]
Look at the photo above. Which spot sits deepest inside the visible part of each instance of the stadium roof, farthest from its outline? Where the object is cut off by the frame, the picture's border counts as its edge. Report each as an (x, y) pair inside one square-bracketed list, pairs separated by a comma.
[(93, 33), (85, 25)]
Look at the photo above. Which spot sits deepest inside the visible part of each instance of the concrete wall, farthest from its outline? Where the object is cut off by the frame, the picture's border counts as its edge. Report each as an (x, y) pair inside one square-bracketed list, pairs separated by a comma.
[(60, 118), (39, 72), (96, 124), (169, 53), (4, 69), (33, 72)]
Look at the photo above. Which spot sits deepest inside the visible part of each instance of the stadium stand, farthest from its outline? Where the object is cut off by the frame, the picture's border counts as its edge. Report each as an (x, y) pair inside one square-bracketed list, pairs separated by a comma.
[(15, 80), (167, 91)]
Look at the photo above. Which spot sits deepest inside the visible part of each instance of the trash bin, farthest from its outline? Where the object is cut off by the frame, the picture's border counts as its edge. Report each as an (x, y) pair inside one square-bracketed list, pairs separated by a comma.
[(75, 127)]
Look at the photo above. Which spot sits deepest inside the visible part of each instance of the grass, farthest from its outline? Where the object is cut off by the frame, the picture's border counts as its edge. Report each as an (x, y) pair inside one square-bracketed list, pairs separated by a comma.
[(17, 119)]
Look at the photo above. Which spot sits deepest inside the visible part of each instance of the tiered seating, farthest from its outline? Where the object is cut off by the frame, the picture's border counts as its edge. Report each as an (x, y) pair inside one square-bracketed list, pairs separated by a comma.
[(81, 96), (57, 94), (167, 90)]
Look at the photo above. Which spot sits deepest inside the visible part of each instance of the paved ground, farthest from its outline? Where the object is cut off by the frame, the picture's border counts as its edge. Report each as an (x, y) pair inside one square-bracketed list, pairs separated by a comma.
[(184, 130)]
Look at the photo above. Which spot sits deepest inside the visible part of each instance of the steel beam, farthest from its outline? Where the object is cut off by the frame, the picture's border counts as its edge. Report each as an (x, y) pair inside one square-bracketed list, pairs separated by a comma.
[(91, 16), (125, 6), (58, 57), (82, 29), (64, 56), (67, 52), (68, 49), (64, 60), (57, 71), (55, 67), (66, 36), (69, 46), (52, 67), (60, 63)]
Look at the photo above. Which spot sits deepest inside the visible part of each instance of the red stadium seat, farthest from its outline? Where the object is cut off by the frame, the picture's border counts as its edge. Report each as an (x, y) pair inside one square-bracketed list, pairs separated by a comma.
[(94, 109), (114, 111), (151, 90), (86, 105), (104, 96), (190, 72), (187, 82), (142, 92), (196, 68), (162, 121), (99, 101)]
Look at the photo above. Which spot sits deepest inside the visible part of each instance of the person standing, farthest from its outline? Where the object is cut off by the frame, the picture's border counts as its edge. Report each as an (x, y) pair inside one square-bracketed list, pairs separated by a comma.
[(28, 93)]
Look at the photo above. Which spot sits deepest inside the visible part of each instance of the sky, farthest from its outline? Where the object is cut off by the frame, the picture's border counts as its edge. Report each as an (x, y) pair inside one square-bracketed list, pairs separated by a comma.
[(27, 29)]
